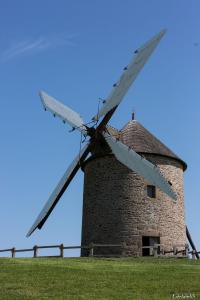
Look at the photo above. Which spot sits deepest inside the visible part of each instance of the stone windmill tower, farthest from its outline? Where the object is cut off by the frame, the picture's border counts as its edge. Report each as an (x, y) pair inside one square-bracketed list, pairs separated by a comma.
[(121, 207)]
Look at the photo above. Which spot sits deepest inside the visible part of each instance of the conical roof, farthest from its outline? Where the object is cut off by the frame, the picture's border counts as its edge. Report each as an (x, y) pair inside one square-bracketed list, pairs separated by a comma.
[(134, 135)]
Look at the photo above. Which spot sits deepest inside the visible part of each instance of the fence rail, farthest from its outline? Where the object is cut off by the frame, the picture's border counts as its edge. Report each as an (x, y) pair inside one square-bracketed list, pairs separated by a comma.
[(155, 250)]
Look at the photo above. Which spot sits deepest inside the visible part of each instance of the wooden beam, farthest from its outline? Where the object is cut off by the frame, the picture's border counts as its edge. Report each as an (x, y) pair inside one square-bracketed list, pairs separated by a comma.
[(106, 119), (191, 243), (75, 170)]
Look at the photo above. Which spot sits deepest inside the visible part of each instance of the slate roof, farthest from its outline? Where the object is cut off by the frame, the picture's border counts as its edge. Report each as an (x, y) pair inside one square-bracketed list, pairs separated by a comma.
[(134, 135)]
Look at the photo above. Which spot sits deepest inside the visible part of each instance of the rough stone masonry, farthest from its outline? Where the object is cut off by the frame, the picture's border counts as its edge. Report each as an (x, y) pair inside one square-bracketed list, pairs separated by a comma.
[(116, 206)]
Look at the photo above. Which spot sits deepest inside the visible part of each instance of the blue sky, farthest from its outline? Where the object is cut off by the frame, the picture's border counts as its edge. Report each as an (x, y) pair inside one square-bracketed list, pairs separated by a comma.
[(75, 50)]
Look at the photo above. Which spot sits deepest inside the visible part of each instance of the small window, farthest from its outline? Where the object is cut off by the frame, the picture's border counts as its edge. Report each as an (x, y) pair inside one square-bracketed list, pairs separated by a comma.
[(151, 191)]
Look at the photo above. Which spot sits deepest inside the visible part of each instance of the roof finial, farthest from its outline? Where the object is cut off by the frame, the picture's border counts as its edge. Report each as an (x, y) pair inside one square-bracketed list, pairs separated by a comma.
[(133, 115)]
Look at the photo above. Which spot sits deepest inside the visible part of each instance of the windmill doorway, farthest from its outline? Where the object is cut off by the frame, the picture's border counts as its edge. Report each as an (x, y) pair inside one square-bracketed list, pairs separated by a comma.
[(149, 241)]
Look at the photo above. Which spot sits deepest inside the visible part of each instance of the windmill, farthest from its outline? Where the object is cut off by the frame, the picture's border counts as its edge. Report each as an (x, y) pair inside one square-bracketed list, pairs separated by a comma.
[(99, 135)]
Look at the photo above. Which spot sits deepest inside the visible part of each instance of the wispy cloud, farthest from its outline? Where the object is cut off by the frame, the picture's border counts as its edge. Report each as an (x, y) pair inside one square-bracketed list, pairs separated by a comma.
[(32, 46)]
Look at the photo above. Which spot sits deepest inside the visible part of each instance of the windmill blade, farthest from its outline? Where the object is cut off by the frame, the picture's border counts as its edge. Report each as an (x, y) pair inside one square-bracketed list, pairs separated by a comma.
[(140, 165), (192, 243), (129, 75), (59, 190), (62, 111)]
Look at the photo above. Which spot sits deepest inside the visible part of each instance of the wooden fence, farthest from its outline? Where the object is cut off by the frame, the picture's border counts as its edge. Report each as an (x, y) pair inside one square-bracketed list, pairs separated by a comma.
[(158, 250), (60, 247), (155, 250)]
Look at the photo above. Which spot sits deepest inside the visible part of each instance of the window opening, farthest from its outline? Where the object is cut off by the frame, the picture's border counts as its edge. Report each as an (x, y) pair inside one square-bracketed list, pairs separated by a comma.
[(148, 241), (151, 191)]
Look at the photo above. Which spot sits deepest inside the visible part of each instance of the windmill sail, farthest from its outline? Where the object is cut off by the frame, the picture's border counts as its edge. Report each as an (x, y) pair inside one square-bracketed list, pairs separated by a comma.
[(59, 190), (140, 165), (126, 156), (129, 75), (62, 111)]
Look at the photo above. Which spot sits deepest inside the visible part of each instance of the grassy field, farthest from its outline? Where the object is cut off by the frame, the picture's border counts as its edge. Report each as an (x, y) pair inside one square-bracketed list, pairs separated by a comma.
[(90, 278)]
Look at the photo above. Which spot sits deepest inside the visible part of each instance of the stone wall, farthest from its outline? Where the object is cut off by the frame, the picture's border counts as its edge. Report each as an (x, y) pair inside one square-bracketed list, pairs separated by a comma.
[(116, 208)]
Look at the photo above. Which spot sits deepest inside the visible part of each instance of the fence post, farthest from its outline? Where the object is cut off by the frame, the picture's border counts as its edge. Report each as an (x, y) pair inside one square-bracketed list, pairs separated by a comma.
[(162, 251), (62, 250), (124, 249), (151, 250), (155, 250), (193, 254), (186, 250), (91, 249), (175, 250), (35, 251), (13, 252)]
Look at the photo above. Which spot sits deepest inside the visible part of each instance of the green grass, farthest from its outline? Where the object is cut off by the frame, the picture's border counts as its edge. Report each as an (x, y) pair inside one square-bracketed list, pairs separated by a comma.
[(90, 278)]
